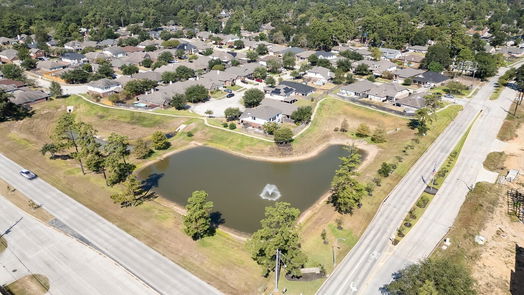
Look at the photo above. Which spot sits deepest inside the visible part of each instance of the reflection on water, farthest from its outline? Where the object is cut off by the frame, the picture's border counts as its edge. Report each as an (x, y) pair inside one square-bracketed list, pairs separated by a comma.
[(234, 183)]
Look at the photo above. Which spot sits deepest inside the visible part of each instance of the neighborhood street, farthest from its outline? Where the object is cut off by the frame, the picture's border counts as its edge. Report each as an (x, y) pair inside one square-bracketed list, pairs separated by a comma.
[(70, 266), (155, 270), (374, 246)]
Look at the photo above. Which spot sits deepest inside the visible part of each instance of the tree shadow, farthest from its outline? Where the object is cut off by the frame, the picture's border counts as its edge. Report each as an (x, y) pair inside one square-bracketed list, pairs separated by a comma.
[(152, 181), (517, 277), (216, 221)]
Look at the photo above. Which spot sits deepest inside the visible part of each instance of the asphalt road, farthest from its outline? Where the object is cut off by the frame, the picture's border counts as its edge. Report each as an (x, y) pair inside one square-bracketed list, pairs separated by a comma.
[(152, 268), (70, 266), (368, 266)]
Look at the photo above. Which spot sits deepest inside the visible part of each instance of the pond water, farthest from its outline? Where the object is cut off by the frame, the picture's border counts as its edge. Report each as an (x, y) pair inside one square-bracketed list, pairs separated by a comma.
[(241, 188)]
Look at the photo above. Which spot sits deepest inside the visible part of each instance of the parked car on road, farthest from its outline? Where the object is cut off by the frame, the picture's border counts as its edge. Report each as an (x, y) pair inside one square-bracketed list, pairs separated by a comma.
[(230, 95), (228, 90), (27, 174)]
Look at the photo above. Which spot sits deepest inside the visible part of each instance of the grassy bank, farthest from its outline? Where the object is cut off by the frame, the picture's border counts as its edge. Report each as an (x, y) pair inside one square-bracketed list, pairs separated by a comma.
[(495, 161), (221, 260), (511, 123)]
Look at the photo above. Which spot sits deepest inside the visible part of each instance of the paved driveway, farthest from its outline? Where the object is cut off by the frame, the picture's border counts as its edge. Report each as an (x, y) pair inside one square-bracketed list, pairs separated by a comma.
[(218, 106), (71, 267)]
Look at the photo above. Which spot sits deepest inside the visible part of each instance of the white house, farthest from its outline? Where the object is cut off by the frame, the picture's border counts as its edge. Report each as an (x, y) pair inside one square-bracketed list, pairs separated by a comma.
[(257, 117), (103, 87), (114, 52), (319, 75), (389, 91), (357, 89)]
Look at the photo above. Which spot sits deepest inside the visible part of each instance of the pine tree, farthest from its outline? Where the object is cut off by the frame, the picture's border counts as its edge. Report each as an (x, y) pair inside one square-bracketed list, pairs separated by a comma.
[(197, 221)]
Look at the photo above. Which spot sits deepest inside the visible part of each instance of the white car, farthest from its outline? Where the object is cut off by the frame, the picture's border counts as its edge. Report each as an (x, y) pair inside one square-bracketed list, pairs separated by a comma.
[(28, 174)]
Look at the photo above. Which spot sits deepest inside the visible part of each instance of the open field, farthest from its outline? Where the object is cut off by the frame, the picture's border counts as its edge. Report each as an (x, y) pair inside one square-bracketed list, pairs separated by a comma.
[(495, 161), (29, 285), (221, 260), (512, 123)]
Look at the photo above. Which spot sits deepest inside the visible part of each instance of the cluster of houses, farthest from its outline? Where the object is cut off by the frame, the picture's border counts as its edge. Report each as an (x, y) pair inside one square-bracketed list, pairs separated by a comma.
[(20, 93)]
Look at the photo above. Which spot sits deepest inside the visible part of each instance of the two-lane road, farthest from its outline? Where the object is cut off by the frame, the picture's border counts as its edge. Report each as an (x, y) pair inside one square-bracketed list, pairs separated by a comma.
[(155, 270)]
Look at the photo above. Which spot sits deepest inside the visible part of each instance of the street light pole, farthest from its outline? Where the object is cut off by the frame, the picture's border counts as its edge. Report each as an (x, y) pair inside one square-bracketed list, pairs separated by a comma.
[(277, 266)]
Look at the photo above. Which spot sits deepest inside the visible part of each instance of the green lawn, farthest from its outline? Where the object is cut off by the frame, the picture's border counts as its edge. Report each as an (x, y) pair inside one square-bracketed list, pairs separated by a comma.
[(234, 87), (496, 94), (218, 94), (102, 113)]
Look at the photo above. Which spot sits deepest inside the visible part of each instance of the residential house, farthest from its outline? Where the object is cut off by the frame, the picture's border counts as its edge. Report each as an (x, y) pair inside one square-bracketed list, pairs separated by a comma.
[(300, 89), (294, 50), (107, 43), (155, 99), (15, 83), (6, 41), (221, 55), (36, 53), (406, 73), (304, 54), (131, 49), (325, 55), (8, 56), (412, 103), (93, 56), (358, 89), (377, 67), (429, 79), (388, 91), (153, 76), (204, 35), (512, 51), (389, 53), (340, 48), (115, 52), (73, 45), (200, 45), (27, 97), (146, 43), (413, 60), (364, 52), (285, 108), (417, 49), (51, 65), (257, 117), (282, 93), (275, 49), (103, 87), (73, 58), (319, 75), (188, 48)]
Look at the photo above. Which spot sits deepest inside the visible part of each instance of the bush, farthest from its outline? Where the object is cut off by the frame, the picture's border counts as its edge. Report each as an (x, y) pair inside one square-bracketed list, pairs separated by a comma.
[(363, 130), (190, 134), (386, 169), (283, 135), (225, 125), (422, 202), (344, 126), (160, 141), (232, 126)]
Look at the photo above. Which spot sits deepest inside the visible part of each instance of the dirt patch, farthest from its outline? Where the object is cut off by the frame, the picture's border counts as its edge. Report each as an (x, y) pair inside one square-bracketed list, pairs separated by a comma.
[(24, 203), (515, 151), (29, 285)]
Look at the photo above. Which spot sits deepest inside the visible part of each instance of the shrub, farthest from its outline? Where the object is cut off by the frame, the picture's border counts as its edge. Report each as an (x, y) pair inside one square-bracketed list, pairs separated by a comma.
[(232, 126), (423, 202), (225, 125), (190, 134)]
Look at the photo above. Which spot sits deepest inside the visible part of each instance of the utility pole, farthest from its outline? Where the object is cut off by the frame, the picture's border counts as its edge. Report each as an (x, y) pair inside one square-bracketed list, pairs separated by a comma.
[(518, 101), (277, 267)]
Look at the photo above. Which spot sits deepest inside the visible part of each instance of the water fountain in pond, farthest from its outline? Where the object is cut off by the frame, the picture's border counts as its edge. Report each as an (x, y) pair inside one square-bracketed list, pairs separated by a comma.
[(270, 192)]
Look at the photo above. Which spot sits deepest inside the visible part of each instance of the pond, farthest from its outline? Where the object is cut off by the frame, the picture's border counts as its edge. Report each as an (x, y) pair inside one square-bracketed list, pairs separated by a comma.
[(241, 188)]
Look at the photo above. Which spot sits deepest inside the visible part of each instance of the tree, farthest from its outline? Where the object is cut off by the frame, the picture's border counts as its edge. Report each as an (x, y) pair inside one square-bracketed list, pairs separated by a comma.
[(346, 191), (433, 101), (160, 141), (313, 59), (150, 48), (166, 57), (435, 66), (438, 53), (352, 55), (141, 149), (278, 232), (386, 169), (132, 194), (179, 53), (55, 89), (302, 115), (375, 53), (129, 69), (288, 60), (283, 135), (178, 101), (433, 276), (260, 73), (65, 134), (213, 62), (252, 55), (344, 65), (487, 65), (117, 146), (197, 93), (261, 49), (363, 130), (238, 44), (184, 73), (407, 82), (49, 148), (207, 52), (147, 63), (76, 76), (168, 77), (28, 64), (106, 70), (197, 221), (12, 71), (274, 65), (137, 87), (379, 135), (362, 69), (252, 97), (270, 81), (232, 113), (421, 121), (270, 127)]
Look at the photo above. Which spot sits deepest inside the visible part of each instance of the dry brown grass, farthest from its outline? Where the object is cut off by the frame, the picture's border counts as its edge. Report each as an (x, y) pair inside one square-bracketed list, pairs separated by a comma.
[(34, 284), (509, 128), (495, 161), (22, 202)]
